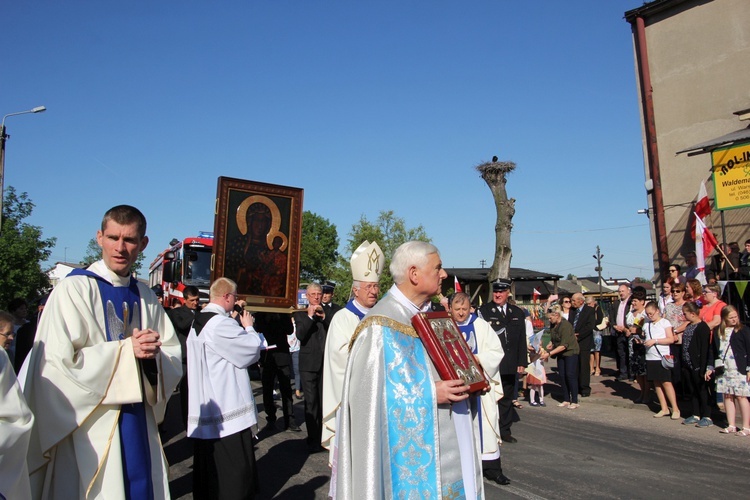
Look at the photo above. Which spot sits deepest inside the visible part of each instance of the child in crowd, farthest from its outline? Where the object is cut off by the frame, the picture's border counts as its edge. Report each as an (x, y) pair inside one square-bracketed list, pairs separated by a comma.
[(536, 377)]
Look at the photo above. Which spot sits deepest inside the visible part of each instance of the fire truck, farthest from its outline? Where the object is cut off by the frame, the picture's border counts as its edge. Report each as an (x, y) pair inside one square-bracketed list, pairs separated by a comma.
[(186, 262)]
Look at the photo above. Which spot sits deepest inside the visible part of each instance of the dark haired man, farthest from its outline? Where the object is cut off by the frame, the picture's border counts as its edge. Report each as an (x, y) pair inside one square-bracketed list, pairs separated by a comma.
[(107, 359)]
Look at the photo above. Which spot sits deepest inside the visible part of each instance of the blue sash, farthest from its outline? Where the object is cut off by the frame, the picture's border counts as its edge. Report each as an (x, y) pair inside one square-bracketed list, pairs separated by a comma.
[(350, 306), (121, 313), (411, 417)]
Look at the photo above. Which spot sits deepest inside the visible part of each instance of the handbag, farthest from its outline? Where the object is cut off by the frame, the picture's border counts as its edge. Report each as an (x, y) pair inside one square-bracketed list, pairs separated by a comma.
[(719, 363), (667, 362)]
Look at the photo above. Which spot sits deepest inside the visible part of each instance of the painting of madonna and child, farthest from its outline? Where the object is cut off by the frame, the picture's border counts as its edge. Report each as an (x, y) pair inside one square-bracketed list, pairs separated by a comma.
[(257, 231)]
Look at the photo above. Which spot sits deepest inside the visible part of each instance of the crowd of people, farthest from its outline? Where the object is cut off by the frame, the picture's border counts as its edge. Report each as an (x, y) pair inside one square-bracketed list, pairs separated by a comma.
[(106, 357)]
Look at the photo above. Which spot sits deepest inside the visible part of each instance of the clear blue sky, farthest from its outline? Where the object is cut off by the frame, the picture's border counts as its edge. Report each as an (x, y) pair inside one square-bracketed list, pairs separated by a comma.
[(367, 106)]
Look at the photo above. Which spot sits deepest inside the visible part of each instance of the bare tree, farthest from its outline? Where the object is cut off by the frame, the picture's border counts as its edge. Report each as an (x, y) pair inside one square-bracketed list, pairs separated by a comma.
[(494, 174)]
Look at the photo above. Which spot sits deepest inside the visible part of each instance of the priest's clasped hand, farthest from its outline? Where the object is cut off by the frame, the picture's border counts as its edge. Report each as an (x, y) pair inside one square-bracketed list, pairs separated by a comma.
[(146, 343), (451, 391)]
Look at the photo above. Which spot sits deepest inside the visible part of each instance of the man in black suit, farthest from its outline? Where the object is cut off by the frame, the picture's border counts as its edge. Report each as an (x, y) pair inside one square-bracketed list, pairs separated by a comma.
[(508, 321), (617, 315), (277, 365), (329, 306), (312, 329), (182, 317), (583, 319)]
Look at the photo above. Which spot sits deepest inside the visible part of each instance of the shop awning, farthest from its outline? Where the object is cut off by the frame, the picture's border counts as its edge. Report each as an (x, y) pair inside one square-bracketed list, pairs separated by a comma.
[(708, 146)]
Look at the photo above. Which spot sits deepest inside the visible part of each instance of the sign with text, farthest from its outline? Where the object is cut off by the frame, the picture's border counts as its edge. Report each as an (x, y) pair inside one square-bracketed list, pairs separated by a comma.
[(731, 174)]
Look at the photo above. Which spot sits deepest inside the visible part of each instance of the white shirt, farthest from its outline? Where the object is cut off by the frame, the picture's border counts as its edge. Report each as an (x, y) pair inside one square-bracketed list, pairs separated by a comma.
[(221, 401)]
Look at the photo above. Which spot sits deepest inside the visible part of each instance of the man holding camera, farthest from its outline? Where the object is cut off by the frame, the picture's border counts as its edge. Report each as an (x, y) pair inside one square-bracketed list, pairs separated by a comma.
[(311, 330)]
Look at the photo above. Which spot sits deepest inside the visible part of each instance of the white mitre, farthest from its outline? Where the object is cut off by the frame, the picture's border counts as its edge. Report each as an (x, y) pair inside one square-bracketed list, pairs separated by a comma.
[(367, 262)]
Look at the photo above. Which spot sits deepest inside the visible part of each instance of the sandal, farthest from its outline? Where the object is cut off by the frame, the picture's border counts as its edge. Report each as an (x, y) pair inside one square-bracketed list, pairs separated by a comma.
[(744, 432), (573, 406), (564, 404), (730, 429), (518, 405), (598, 373)]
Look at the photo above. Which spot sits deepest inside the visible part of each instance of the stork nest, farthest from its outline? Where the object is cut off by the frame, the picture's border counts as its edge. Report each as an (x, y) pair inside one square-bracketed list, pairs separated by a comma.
[(492, 170)]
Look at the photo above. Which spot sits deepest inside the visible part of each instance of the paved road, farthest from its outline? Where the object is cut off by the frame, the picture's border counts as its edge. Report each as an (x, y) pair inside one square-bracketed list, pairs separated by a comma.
[(608, 448)]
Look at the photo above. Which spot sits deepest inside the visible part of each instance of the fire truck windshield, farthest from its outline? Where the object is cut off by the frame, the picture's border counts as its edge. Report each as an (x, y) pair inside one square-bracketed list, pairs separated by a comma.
[(197, 266)]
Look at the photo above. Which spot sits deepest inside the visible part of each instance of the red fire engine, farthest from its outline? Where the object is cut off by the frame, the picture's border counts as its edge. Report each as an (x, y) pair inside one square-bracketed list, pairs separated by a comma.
[(184, 263)]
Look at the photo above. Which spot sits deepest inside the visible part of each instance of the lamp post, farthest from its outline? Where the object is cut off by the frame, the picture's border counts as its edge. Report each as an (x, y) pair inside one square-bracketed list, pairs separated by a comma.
[(3, 138)]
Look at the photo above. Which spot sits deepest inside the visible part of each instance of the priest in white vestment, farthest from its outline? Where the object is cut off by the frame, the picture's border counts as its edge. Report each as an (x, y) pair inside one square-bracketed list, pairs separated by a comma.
[(105, 361), (487, 348), (367, 263), (403, 432), (15, 428)]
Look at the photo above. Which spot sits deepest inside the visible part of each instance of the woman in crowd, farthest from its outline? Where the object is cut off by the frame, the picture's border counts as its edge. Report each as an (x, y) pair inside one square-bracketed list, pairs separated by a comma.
[(564, 346), (673, 313), (694, 292), (734, 341), (666, 295), (696, 369), (566, 304), (712, 306), (634, 321), (601, 323), (659, 337)]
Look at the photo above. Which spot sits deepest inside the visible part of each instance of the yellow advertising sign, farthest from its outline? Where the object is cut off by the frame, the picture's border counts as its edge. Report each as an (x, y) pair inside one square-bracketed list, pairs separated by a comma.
[(731, 169)]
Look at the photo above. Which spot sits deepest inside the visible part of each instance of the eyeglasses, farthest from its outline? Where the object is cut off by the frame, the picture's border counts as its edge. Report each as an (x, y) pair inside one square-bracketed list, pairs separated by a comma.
[(370, 287), (6, 335), (566, 302), (673, 270)]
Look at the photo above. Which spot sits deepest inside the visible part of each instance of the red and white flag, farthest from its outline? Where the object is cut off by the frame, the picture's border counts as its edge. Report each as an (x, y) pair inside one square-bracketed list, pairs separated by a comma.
[(702, 207), (456, 285), (705, 242), (536, 294)]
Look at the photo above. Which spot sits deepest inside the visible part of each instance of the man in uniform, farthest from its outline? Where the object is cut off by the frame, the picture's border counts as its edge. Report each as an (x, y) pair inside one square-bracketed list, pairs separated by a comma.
[(509, 323), (106, 359), (367, 263), (326, 302), (403, 432)]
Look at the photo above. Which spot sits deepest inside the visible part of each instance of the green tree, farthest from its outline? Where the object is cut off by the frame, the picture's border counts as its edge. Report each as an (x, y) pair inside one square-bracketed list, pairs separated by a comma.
[(320, 242), (389, 231), (22, 251), (94, 253)]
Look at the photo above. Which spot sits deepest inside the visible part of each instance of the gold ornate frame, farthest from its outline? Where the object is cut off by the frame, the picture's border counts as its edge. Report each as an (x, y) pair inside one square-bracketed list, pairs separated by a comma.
[(257, 233)]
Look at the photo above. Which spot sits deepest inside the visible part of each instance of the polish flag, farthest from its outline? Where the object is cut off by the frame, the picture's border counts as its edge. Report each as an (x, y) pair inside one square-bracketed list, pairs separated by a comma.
[(702, 207), (705, 242), (536, 294), (456, 285)]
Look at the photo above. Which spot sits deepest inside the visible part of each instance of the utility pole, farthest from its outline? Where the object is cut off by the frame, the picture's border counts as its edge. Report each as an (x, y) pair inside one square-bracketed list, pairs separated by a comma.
[(599, 256)]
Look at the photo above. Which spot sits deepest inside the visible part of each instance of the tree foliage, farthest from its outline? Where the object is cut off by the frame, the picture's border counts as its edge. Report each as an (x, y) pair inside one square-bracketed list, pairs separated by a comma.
[(93, 253), (389, 231), (22, 251), (320, 243)]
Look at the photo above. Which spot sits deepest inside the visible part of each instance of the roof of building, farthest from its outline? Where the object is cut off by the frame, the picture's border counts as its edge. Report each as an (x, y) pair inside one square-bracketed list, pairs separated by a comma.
[(651, 8), (516, 274)]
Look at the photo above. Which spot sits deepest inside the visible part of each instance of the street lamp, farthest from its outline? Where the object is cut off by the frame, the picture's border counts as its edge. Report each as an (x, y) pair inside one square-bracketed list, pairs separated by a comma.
[(3, 138)]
